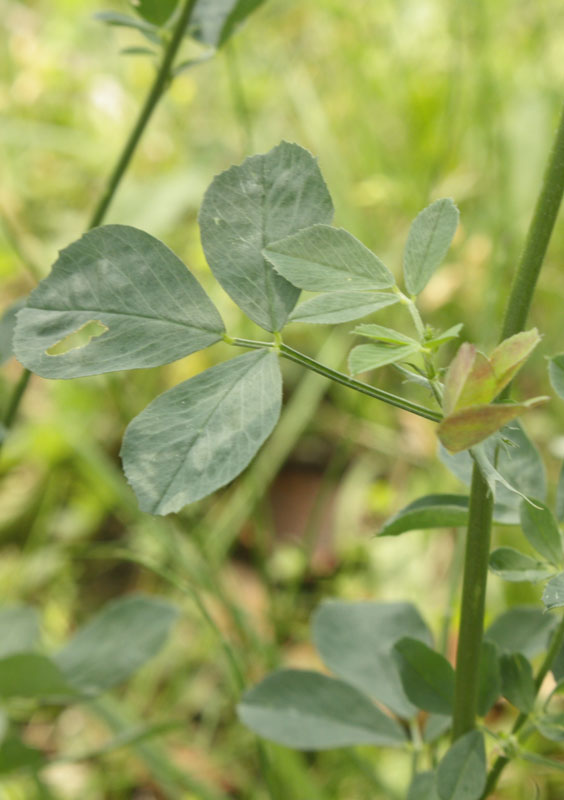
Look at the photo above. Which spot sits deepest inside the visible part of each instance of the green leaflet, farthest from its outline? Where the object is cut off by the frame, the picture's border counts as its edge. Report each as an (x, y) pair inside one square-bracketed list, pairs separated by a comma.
[(427, 677), (32, 675), (201, 434), (553, 595), (461, 774), (556, 374), (513, 566), (518, 684), (132, 284), (335, 307), (7, 326), (524, 629), (116, 642), (366, 357), (326, 259), (423, 787), (214, 21), (428, 240), (157, 12), (310, 711), (19, 630), (246, 208), (541, 529), (431, 511), (386, 335), (489, 688), (355, 640)]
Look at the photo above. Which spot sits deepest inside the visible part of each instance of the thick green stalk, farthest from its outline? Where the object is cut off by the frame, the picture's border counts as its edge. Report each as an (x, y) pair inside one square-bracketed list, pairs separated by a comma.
[(481, 502), (158, 88)]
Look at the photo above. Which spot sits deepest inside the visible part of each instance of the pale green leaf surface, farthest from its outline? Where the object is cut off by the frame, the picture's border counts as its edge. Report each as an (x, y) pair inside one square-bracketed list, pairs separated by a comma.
[(214, 21), (382, 334), (124, 21), (355, 641), (19, 629), (541, 529), (335, 307), (461, 774), (480, 386), (428, 240), (510, 355), (513, 566), (431, 511), (7, 326), (556, 374), (436, 726), (489, 687), (154, 309), (458, 371), (310, 711), (326, 259), (551, 726), (32, 675), (427, 677), (523, 629), (116, 642), (366, 357), (245, 209), (560, 496), (155, 11), (553, 595), (201, 434), (422, 787), (518, 683), (445, 336)]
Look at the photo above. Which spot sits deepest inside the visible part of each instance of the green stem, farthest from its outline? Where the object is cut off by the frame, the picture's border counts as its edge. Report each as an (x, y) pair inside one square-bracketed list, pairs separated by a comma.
[(339, 377), (159, 87), (502, 761), (481, 502)]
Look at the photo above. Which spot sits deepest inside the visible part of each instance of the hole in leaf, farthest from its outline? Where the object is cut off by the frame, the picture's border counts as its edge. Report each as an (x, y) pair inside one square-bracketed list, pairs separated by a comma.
[(79, 338)]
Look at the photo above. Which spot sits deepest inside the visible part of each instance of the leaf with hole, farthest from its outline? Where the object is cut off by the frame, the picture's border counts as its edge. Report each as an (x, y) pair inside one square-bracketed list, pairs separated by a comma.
[(431, 511), (523, 629), (246, 208), (7, 326), (126, 281), (116, 642), (355, 640), (201, 434), (214, 21), (326, 259), (335, 307), (461, 774), (513, 566), (427, 677), (553, 595), (541, 530), (517, 681), (429, 238), (310, 711)]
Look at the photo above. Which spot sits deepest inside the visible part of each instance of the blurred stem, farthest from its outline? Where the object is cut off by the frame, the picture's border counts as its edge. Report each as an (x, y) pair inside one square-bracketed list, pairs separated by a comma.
[(481, 500), (157, 90)]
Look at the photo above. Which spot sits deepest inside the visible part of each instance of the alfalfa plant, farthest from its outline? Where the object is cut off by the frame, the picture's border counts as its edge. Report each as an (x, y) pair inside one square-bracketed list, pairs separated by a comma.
[(267, 234)]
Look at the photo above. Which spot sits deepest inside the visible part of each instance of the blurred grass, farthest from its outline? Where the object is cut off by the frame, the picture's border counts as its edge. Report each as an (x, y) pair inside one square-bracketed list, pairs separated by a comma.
[(403, 101)]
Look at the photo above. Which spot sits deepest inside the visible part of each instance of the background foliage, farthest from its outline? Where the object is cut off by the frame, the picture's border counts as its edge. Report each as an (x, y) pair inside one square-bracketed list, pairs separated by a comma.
[(403, 101)]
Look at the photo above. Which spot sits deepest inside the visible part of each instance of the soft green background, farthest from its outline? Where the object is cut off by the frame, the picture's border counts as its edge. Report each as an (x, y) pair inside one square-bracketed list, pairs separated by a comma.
[(403, 101)]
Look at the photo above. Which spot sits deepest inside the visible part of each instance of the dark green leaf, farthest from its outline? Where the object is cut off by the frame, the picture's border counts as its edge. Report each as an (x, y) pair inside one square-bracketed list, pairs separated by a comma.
[(124, 280), (157, 12), (429, 238), (431, 511), (489, 688), (310, 711), (7, 326), (422, 787), (116, 642), (427, 677), (335, 307), (366, 357), (19, 630), (518, 684), (436, 726), (511, 565), (201, 434), (524, 629), (556, 374), (32, 675), (381, 334), (551, 727), (461, 774), (541, 529), (246, 208), (326, 259), (214, 21), (553, 595), (355, 641), (15, 755)]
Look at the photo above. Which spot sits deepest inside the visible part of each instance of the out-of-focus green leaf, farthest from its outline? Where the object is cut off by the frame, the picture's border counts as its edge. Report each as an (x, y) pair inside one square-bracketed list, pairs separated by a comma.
[(116, 642), (201, 434), (19, 630), (366, 357), (355, 641), (461, 774), (310, 711), (335, 307), (511, 565), (246, 208), (157, 12), (428, 240), (431, 511), (556, 374), (551, 726), (427, 677), (7, 326), (541, 530), (553, 595), (518, 684), (34, 676), (124, 21), (489, 688), (436, 726), (127, 281), (326, 259), (214, 21), (524, 629), (15, 755), (385, 335), (422, 787)]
